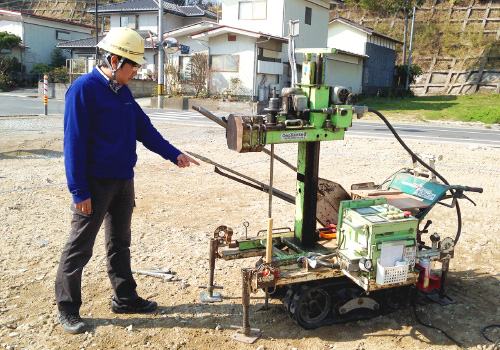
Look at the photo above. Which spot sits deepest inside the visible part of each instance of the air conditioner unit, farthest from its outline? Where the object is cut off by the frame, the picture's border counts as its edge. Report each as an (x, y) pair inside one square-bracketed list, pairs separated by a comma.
[(340, 94)]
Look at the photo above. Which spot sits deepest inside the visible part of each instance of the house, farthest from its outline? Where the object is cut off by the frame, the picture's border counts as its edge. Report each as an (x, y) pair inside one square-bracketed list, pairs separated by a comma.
[(250, 42), (141, 15), (39, 35), (272, 16), (371, 53), (82, 52), (253, 57)]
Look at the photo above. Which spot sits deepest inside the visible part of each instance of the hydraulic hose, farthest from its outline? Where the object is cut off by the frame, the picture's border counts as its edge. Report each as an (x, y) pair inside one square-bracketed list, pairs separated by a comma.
[(415, 157)]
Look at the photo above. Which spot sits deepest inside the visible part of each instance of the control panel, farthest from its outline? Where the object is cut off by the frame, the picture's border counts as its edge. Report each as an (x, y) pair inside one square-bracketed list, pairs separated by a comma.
[(374, 233)]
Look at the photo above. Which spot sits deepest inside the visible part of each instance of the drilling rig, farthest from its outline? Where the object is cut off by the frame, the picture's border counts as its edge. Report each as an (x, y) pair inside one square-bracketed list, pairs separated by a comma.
[(350, 255)]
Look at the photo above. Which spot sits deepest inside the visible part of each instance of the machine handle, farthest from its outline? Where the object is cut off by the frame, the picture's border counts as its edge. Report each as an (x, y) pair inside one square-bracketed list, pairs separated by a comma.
[(358, 227), (473, 189), (466, 188), (291, 121)]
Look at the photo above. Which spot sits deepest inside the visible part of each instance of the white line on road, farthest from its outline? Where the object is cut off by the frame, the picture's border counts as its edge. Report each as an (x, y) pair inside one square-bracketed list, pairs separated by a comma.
[(435, 128), (411, 136)]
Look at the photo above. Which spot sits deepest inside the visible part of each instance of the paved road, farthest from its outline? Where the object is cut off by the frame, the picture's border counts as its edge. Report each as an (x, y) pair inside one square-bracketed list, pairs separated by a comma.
[(25, 103), (22, 103), (372, 129)]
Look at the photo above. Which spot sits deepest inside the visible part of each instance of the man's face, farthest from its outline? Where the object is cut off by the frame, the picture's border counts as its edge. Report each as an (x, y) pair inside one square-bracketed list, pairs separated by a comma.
[(127, 71)]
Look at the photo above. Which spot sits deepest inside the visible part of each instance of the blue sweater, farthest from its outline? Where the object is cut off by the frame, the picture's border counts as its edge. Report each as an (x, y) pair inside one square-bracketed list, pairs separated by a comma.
[(100, 132)]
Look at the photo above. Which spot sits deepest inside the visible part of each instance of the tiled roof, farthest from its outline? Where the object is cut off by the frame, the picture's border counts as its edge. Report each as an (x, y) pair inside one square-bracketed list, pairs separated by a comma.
[(152, 5), (90, 42), (79, 43)]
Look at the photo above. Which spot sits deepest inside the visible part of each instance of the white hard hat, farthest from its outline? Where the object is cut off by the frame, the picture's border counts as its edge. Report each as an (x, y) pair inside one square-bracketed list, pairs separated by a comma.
[(124, 42)]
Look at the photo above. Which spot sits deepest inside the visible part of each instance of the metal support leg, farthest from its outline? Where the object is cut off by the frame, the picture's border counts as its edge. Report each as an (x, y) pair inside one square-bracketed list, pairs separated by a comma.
[(209, 296), (441, 298), (245, 334)]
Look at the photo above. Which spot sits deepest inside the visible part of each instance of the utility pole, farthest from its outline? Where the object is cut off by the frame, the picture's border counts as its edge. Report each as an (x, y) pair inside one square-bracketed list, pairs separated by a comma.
[(405, 35), (96, 32), (160, 55), (411, 44)]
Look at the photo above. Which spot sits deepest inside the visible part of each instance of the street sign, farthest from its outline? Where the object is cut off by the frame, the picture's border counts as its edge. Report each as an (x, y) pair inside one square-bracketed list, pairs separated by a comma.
[(184, 49)]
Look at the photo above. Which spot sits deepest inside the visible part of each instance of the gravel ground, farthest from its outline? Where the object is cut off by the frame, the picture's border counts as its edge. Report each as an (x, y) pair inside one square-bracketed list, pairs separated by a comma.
[(177, 212)]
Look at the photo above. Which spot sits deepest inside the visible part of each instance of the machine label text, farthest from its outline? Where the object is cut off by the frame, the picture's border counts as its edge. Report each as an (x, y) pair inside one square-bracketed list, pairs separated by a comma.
[(291, 136)]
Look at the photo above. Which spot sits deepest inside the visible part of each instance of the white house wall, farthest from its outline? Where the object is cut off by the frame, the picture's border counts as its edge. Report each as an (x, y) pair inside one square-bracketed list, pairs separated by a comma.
[(313, 35), (149, 21), (11, 27), (344, 37), (279, 12), (343, 70), (271, 25), (244, 47), (39, 36)]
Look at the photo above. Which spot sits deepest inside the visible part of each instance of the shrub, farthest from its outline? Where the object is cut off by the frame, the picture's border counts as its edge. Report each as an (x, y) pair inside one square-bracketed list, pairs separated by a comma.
[(235, 86), (199, 72), (40, 69), (10, 69), (58, 75), (402, 72)]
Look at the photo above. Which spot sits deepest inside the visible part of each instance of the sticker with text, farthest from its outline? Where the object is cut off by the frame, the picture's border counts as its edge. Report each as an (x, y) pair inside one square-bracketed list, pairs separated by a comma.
[(292, 136)]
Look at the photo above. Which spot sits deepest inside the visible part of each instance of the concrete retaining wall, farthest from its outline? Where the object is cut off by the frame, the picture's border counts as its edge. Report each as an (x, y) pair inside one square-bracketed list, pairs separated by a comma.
[(145, 88), (139, 88), (214, 106)]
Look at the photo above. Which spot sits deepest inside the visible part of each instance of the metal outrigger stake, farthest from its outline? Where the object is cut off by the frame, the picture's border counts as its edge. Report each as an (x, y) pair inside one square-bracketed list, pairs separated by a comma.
[(245, 334), (209, 296)]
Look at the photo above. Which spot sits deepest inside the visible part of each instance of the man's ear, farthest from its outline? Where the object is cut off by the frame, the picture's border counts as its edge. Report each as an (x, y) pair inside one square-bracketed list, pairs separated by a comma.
[(114, 61)]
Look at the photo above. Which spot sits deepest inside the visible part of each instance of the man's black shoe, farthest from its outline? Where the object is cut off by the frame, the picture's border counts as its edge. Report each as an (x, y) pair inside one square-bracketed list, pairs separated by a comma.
[(138, 306), (72, 323)]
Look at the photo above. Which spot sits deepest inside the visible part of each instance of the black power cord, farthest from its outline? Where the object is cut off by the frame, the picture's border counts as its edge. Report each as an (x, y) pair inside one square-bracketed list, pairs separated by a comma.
[(496, 344), (415, 157), (436, 328)]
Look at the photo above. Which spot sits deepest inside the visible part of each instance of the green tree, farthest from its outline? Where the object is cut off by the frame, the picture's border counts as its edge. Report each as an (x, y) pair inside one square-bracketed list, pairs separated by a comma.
[(40, 69), (402, 71), (57, 58), (8, 41), (10, 67)]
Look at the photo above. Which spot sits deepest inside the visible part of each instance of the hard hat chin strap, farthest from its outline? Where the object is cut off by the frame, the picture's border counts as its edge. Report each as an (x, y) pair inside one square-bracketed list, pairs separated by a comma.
[(107, 60)]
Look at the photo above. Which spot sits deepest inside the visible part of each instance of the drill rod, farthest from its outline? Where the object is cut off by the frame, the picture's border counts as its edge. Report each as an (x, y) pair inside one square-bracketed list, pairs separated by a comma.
[(222, 123)]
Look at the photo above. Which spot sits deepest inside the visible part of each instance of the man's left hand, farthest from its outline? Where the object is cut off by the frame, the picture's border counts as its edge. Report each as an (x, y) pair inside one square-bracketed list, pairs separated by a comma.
[(184, 160)]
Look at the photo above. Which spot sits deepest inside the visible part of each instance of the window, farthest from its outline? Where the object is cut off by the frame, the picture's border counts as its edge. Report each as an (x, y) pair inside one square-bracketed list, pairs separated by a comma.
[(60, 35), (252, 9), (308, 15), (225, 63), (184, 68), (268, 55), (128, 22)]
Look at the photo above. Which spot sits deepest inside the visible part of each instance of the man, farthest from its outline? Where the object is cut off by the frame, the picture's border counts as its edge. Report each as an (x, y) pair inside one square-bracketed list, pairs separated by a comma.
[(102, 123)]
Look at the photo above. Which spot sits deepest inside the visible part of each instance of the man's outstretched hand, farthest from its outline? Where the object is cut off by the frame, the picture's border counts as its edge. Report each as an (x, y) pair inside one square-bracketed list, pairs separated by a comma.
[(184, 160)]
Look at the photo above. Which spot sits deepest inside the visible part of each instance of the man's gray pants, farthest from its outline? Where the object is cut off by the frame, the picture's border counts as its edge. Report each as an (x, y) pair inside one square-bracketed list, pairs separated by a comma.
[(112, 202)]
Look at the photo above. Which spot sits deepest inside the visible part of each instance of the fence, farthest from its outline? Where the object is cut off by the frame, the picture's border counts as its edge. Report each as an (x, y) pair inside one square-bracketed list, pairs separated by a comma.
[(449, 75)]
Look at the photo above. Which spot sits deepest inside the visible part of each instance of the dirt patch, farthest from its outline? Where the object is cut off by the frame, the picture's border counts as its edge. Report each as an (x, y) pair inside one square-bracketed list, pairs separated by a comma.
[(177, 212)]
